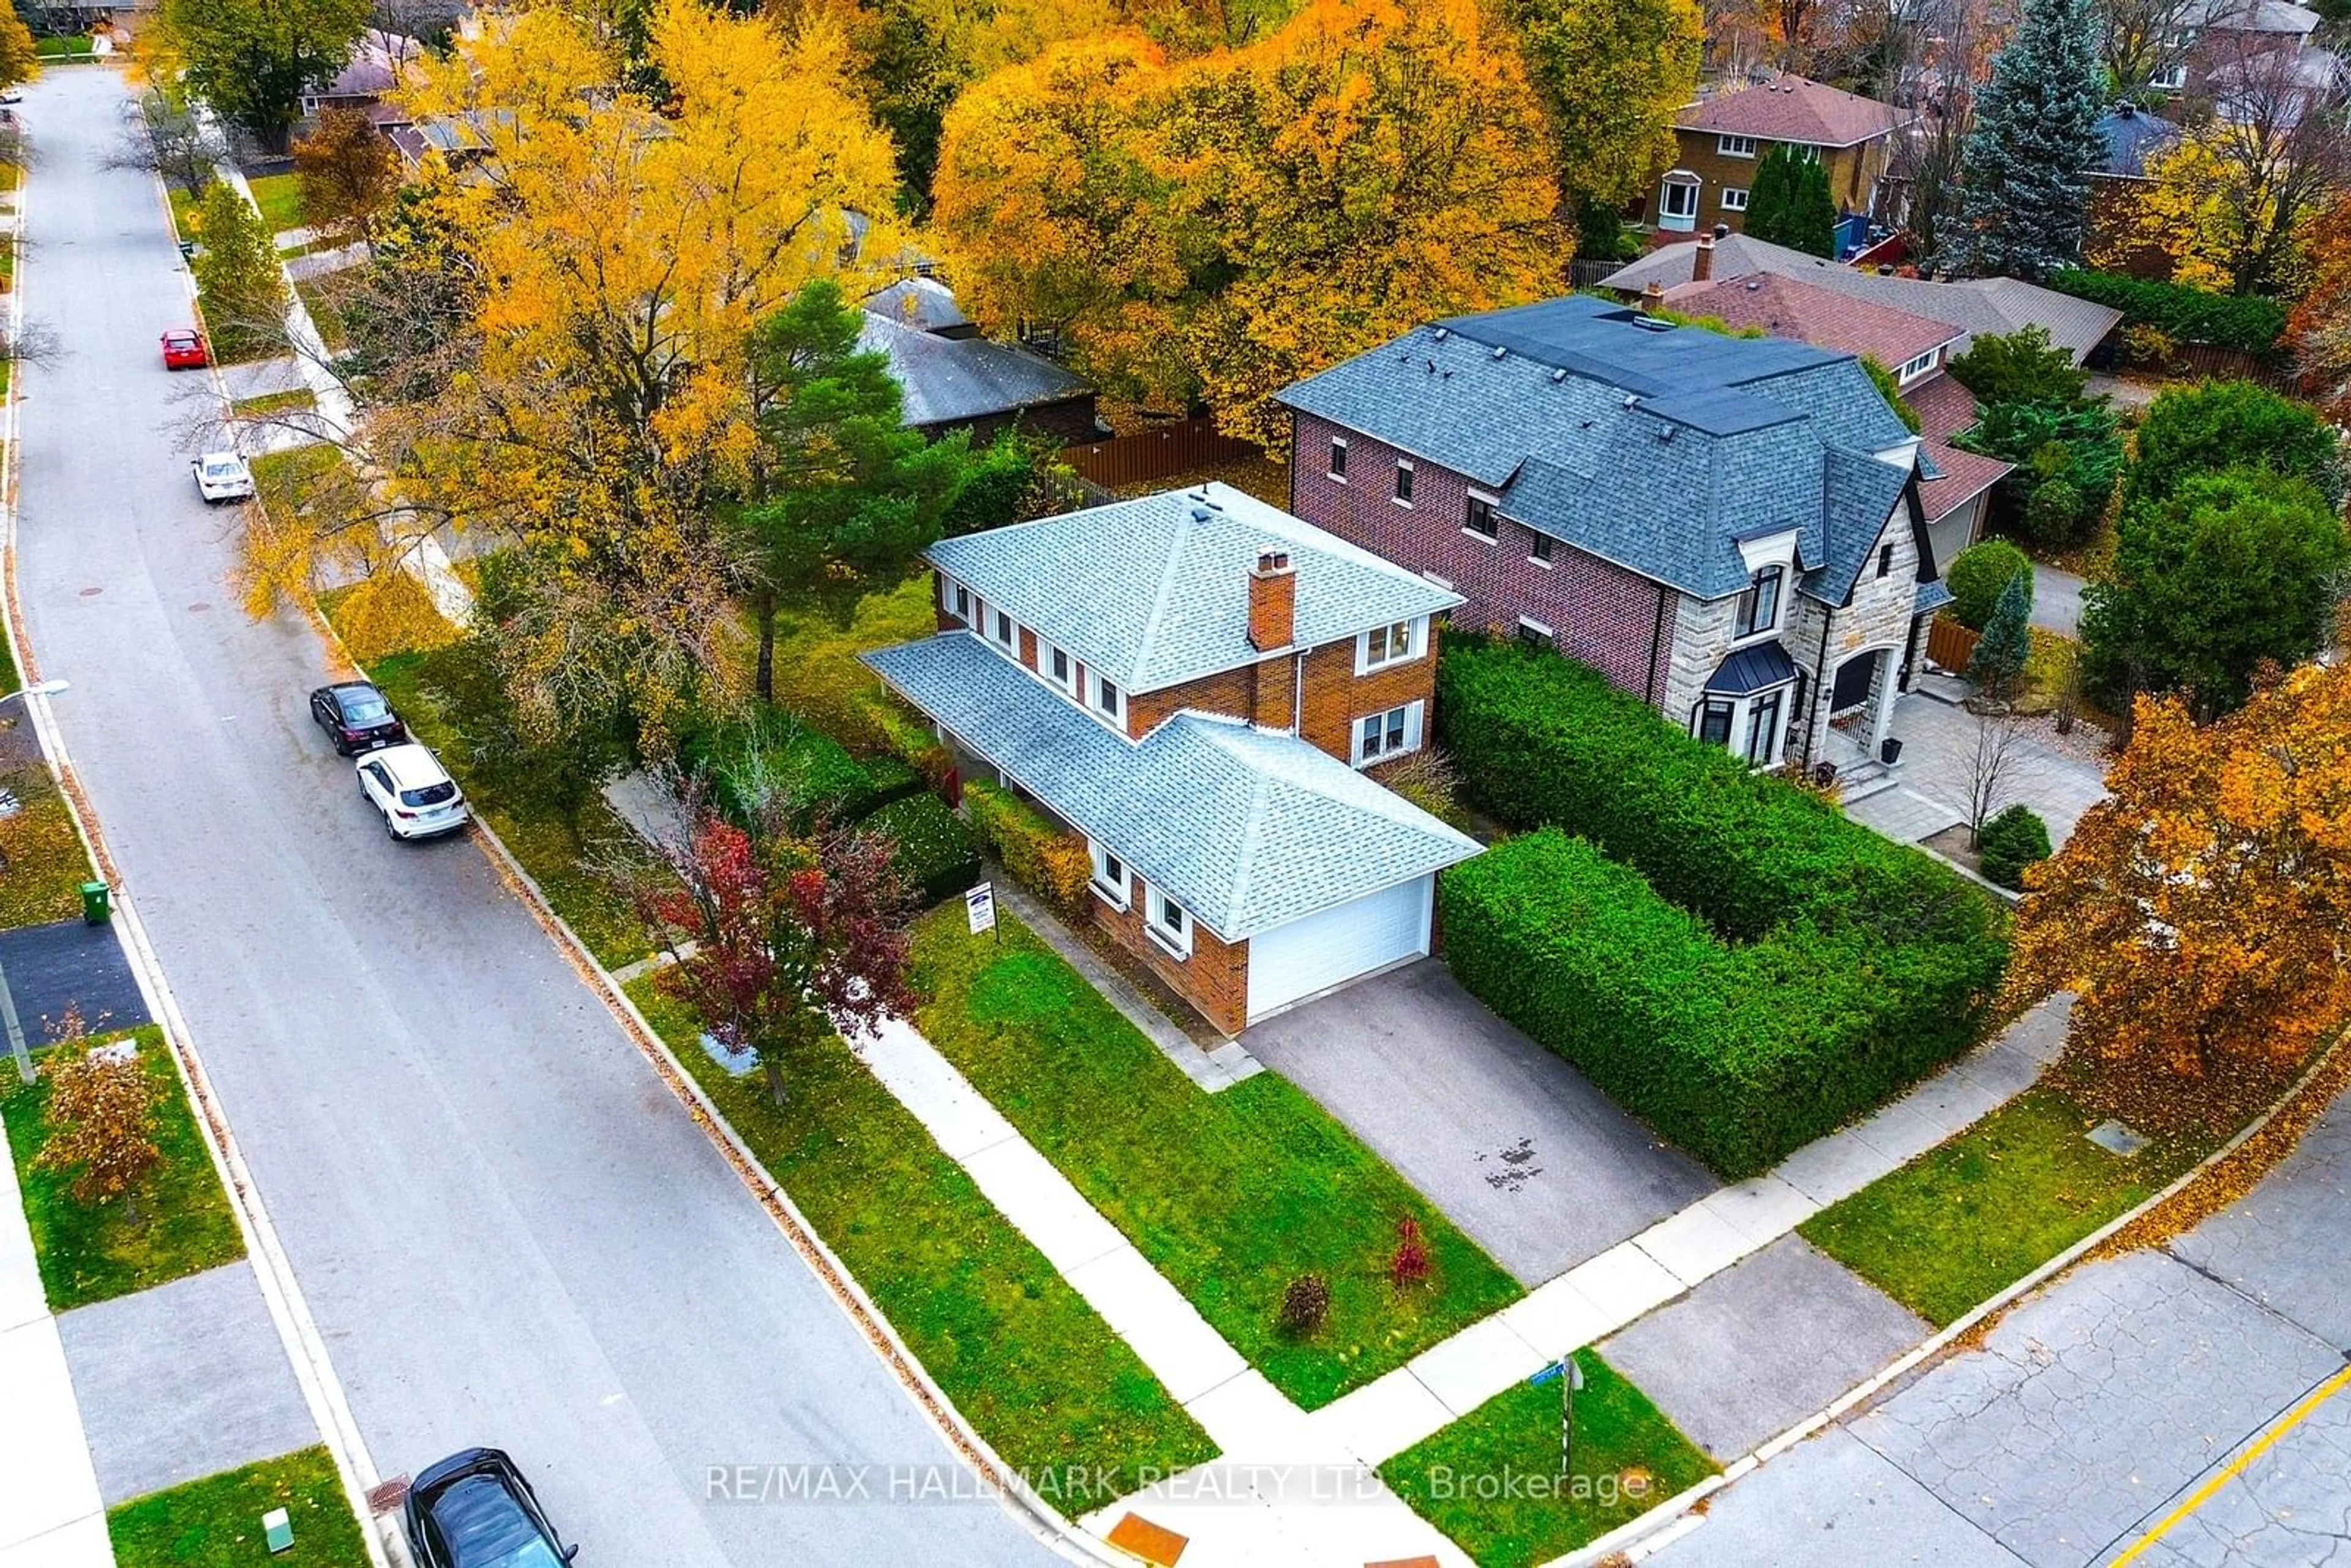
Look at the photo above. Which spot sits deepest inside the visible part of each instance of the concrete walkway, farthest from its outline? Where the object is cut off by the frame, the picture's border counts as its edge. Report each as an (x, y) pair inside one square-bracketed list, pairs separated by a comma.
[(52, 1514), (2056, 599)]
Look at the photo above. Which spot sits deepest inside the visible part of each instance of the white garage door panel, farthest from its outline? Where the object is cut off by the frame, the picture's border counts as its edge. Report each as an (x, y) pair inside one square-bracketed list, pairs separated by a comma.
[(1337, 944)]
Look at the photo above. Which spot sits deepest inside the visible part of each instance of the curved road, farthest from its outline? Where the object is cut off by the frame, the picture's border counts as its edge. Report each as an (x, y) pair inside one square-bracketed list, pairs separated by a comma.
[(507, 1228)]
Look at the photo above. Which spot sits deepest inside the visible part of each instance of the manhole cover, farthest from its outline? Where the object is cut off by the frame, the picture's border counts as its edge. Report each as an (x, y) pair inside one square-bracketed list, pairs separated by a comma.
[(92, 592), (2116, 1139), (199, 607), (388, 1495)]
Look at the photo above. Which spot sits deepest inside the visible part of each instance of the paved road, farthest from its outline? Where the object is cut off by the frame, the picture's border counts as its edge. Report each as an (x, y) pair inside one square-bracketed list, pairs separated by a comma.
[(2057, 600), (507, 1228), (2194, 1393)]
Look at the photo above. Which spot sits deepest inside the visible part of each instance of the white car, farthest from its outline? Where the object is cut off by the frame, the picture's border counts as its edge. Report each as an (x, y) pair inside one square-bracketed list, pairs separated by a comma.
[(415, 794), (222, 477)]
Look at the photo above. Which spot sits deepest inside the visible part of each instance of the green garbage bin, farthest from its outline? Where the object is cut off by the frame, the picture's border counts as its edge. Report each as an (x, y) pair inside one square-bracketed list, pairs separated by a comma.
[(96, 903)]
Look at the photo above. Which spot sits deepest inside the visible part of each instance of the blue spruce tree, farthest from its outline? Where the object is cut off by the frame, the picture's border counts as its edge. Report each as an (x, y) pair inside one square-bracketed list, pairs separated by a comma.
[(2025, 196)]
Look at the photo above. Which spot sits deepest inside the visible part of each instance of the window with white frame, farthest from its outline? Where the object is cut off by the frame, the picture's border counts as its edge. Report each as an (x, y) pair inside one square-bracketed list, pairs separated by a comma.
[(1403, 484), (1106, 698), (1734, 198), (1384, 645), (1735, 146), (1759, 607), (1480, 520), (1058, 666), (963, 603), (1005, 635), (1762, 748), (1380, 736), (1677, 201), (2171, 78), (1753, 728), (1912, 369), (1338, 459), (1535, 635), (1714, 717), (1110, 879), (1168, 923), (1542, 548)]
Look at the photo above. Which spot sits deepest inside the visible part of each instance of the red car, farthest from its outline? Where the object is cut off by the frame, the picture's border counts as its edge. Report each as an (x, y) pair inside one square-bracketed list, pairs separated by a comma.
[(184, 350)]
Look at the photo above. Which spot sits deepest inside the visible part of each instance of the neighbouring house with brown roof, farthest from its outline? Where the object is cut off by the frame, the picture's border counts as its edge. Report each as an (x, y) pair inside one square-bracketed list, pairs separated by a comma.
[(1952, 484), (1719, 139), (368, 79)]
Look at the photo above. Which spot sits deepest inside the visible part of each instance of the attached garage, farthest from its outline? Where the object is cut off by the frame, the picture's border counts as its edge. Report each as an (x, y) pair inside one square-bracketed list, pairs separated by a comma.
[(1338, 944)]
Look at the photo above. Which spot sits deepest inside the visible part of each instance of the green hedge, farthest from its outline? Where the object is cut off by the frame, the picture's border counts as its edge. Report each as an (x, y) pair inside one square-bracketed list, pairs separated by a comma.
[(2012, 840), (2249, 322), (1041, 857), (1815, 965), (773, 756), (936, 853)]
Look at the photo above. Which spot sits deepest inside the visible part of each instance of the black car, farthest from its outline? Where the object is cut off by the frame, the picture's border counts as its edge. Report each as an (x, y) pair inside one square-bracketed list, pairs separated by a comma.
[(474, 1510), (356, 717)]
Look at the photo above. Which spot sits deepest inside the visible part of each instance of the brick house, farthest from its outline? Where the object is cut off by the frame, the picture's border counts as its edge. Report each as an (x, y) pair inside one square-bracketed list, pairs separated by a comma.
[(2119, 184), (1201, 684), (1952, 482), (1718, 141), (1729, 526)]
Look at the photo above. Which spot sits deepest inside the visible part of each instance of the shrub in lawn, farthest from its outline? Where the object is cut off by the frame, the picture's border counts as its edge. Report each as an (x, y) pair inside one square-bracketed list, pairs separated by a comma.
[(1998, 663), (890, 778), (1976, 576), (936, 852), (1052, 864), (2012, 840), (1305, 1303), (775, 757), (1409, 1265), (2190, 432)]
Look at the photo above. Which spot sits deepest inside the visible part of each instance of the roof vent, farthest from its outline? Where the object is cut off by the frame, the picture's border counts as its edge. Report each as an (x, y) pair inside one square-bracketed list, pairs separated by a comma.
[(1431, 365), (1200, 513), (1632, 398), (1557, 377), (1754, 284), (1500, 350), (1443, 333)]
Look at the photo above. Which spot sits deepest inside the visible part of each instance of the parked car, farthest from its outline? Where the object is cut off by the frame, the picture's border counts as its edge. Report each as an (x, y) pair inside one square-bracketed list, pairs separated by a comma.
[(407, 783), (184, 349), (222, 477), (474, 1510), (356, 716)]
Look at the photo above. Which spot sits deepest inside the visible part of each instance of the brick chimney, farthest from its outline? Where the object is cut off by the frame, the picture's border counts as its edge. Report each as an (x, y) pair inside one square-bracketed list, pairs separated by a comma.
[(1702, 263), (1272, 601), (1653, 297)]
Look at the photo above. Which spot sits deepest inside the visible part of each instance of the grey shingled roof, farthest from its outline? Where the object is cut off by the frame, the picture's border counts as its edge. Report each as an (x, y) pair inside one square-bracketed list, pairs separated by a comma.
[(1245, 829), (2132, 135), (1651, 447), (1154, 591), (920, 302), (950, 381), (1991, 305)]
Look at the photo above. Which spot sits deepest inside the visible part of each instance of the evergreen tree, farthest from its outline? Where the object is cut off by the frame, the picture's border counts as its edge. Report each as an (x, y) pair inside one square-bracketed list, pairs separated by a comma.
[(1788, 203), (2025, 196), (1999, 660)]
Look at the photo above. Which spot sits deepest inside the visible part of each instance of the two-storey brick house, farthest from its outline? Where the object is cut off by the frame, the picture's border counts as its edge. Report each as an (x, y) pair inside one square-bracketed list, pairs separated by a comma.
[(1200, 685), (1729, 526), (1719, 141)]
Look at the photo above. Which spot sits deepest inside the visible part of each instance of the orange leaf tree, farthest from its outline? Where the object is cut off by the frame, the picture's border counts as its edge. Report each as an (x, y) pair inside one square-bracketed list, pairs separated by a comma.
[(2202, 912)]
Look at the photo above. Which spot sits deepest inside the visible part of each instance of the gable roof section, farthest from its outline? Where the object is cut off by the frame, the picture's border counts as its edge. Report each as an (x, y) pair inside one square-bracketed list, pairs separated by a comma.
[(1863, 494), (2132, 135), (947, 380), (1245, 829), (1977, 305), (1652, 447), (1154, 591), (924, 303), (1794, 109), (1793, 308)]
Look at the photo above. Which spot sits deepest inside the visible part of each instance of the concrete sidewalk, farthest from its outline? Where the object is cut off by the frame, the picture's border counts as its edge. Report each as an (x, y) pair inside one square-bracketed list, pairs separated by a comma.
[(51, 1512)]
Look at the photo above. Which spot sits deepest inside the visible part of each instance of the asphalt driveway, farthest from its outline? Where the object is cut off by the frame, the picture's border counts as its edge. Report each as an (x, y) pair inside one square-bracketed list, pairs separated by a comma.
[(1513, 1145)]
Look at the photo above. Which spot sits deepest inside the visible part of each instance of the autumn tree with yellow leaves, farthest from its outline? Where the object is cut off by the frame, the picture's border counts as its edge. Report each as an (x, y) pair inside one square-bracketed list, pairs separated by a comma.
[(599, 401), (1220, 226), (2202, 912)]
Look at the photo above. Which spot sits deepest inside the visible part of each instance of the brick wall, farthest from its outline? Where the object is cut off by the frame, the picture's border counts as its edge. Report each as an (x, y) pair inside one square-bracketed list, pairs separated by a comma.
[(1598, 611), (1336, 696), (1214, 978), (1854, 173)]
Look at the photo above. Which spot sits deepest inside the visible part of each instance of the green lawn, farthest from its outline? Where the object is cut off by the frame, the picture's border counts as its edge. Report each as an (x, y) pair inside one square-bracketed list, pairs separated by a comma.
[(9, 679), (1024, 1358), (267, 403), (1972, 1217), (45, 865), (563, 870), (817, 643), (324, 315), (91, 1252), (183, 210), (279, 197), (1491, 1479), (51, 50), (1230, 1196), (217, 1523)]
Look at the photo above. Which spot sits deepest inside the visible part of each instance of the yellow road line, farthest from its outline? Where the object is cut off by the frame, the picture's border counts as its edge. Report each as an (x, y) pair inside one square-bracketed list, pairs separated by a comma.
[(2229, 1472)]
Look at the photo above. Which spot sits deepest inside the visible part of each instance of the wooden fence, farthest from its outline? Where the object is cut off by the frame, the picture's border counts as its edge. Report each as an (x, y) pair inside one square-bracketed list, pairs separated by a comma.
[(1950, 644), (2225, 364), (1179, 448)]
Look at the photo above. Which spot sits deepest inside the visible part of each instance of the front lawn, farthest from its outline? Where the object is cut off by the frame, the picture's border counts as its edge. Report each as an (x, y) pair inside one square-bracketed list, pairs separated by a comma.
[(1021, 1354), (324, 314), (279, 197), (1491, 1479), (184, 206), (1968, 1218), (292, 399), (215, 1522), (45, 864), (1231, 1195), (818, 639), (179, 1223)]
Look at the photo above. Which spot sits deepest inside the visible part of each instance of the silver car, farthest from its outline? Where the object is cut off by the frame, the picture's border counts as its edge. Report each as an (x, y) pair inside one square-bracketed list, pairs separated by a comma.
[(415, 793)]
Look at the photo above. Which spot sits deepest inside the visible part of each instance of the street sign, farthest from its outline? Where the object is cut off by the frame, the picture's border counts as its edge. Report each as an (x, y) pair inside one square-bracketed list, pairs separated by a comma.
[(979, 907)]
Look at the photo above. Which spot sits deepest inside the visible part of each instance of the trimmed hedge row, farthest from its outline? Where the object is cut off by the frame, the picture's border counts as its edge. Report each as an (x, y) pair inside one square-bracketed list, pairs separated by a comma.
[(774, 756), (1816, 966), (936, 853), (2244, 321), (1041, 857)]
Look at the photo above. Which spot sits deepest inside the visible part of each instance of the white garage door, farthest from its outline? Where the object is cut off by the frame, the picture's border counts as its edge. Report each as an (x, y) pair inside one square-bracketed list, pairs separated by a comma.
[(1337, 944)]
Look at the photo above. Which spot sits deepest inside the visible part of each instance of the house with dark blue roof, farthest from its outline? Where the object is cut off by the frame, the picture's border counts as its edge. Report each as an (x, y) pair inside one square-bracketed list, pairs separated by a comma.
[(1206, 689), (1730, 526)]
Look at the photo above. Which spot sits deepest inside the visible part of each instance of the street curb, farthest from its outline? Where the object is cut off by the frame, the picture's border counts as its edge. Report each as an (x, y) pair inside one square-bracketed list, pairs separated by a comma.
[(831, 1271), (298, 1332), (1633, 1538)]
